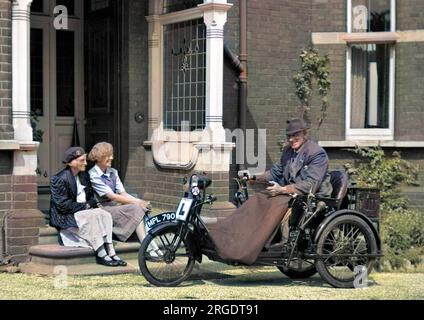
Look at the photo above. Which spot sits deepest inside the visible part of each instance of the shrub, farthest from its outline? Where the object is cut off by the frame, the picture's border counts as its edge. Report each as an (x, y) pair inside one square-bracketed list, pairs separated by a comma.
[(388, 174), (402, 235)]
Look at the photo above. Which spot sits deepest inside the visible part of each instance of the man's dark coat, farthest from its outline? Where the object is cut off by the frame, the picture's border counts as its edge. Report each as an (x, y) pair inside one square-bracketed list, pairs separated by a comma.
[(311, 168)]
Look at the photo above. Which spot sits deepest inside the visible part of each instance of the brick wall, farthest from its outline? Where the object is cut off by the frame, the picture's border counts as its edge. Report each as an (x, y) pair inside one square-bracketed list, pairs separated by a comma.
[(328, 16), (333, 127), (275, 39), (6, 129), (5, 205), (410, 91), (19, 222), (410, 15), (165, 187), (137, 93)]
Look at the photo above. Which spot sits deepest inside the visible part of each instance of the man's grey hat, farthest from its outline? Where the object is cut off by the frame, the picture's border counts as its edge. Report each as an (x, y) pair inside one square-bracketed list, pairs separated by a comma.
[(296, 125), (72, 154)]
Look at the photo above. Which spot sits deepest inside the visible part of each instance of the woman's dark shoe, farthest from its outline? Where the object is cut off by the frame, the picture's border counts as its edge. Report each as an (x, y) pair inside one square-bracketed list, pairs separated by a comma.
[(109, 263), (120, 262)]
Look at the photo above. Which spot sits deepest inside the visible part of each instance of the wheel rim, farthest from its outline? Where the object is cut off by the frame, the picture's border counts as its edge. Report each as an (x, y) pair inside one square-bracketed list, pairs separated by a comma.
[(345, 239), (166, 257)]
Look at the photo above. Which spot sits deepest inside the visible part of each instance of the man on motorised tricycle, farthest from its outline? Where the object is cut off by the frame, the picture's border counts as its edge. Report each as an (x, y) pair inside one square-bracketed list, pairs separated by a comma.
[(303, 168)]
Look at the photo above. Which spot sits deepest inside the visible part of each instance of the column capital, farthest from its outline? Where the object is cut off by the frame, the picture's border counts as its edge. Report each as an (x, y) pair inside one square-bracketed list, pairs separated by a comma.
[(215, 13), (21, 4)]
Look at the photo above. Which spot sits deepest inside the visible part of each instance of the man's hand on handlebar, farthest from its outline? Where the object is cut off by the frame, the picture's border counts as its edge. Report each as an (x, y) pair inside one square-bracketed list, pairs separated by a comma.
[(275, 189)]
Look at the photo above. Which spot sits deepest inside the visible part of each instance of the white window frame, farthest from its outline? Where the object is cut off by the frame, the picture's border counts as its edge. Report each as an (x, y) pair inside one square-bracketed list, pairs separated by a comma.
[(158, 106), (370, 133)]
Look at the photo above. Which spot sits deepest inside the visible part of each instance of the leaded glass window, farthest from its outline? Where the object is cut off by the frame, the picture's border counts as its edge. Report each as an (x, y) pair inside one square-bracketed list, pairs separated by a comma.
[(184, 75), (177, 5)]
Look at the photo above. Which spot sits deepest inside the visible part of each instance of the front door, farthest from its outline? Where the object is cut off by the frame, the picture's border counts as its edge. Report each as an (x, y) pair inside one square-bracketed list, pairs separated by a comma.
[(57, 82), (102, 42)]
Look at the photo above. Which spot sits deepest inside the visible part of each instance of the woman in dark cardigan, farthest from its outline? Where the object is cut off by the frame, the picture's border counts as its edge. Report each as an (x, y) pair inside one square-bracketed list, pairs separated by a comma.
[(74, 211)]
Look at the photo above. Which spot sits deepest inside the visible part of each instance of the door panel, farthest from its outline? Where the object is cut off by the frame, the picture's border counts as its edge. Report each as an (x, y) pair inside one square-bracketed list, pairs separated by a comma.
[(57, 95), (101, 42)]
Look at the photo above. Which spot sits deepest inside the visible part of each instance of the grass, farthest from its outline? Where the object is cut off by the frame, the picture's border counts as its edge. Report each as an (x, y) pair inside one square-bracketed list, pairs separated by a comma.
[(241, 283)]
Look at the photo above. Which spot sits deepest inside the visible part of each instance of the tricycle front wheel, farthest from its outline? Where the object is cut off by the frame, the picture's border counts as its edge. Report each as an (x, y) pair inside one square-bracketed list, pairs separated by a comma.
[(165, 259)]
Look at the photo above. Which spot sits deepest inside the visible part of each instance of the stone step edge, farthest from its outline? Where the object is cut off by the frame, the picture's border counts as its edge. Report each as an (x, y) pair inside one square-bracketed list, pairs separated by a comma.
[(88, 269), (56, 251)]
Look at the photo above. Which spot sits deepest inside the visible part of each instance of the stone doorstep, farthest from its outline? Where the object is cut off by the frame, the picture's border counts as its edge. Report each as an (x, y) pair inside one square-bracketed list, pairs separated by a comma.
[(57, 252), (86, 269)]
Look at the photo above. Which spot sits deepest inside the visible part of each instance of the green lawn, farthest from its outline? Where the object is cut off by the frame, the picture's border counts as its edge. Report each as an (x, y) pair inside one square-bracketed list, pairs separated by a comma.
[(241, 283)]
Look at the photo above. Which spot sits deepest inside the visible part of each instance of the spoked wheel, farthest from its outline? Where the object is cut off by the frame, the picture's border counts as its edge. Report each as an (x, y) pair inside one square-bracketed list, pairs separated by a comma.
[(299, 269), (165, 259), (346, 238)]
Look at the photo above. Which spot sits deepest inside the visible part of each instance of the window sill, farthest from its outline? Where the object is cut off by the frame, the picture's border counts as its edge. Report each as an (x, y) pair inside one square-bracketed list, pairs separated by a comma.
[(370, 37), (18, 145), (371, 143)]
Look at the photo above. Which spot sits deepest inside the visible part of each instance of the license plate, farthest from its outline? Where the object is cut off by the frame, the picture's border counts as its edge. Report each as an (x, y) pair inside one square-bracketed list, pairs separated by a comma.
[(160, 218)]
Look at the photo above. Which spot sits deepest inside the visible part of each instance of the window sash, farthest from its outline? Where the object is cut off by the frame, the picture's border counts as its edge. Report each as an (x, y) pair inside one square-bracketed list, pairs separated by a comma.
[(370, 133)]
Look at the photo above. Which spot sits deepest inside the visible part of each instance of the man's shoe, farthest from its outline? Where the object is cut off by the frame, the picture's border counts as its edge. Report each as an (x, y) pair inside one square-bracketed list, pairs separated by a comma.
[(109, 263)]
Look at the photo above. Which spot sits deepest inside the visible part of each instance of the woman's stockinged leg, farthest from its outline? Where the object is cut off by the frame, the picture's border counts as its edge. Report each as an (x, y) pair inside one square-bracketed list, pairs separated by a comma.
[(141, 233)]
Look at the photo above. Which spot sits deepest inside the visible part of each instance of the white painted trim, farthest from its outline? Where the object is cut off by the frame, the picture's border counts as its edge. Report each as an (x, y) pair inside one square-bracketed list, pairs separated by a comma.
[(348, 89), (393, 15), (371, 143), (349, 16), (342, 38), (21, 70), (19, 145), (181, 16)]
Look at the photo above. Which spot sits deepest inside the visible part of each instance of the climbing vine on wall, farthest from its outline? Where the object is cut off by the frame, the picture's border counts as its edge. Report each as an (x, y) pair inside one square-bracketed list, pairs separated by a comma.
[(314, 70)]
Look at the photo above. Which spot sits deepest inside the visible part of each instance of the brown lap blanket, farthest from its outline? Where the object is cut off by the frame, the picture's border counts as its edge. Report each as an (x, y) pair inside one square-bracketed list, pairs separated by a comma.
[(242, 235)]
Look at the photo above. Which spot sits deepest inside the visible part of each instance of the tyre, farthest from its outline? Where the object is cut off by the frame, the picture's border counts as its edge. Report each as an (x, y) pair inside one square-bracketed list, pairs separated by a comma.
[(299, 269), (165, 259), (345, 235)]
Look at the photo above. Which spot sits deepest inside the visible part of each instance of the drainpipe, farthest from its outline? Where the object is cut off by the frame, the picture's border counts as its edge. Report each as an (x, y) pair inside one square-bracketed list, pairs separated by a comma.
[(240, 65), (243, 75)]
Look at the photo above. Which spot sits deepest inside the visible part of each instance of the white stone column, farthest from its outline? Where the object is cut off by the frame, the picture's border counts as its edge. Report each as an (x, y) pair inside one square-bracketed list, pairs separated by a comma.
[(25, 159), (215, 17), (21, 69), (215, 151)]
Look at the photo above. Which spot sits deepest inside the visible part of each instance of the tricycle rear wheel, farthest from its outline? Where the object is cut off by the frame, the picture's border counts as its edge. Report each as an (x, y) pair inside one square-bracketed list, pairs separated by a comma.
[(345, 235)]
